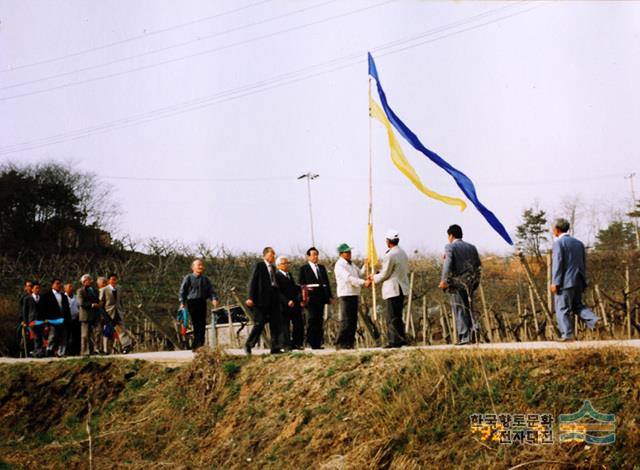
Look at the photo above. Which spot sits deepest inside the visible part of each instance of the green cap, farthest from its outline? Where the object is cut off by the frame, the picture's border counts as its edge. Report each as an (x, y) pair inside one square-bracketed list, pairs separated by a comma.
[(344, 248)]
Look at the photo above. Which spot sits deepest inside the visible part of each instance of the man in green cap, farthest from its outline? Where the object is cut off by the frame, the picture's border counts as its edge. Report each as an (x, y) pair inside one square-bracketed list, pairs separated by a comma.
[(350, 280)]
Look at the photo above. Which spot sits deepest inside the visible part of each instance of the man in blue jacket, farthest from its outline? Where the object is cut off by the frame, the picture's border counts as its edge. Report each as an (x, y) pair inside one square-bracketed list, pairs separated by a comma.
[(569, 280)]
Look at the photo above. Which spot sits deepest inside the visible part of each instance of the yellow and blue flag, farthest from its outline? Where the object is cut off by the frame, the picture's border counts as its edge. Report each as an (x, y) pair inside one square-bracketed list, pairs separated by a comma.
[(389, 119)]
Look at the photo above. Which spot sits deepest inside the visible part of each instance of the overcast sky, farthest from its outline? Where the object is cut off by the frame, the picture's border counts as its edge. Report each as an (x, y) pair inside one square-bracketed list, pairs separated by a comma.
[(202, 114)]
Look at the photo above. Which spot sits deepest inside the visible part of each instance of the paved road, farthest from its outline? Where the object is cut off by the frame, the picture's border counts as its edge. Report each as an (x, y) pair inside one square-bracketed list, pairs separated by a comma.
[(181, 357)]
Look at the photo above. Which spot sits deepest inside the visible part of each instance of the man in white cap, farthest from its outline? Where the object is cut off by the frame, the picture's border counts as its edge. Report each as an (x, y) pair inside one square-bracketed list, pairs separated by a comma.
[(349, 280), (395, 279)]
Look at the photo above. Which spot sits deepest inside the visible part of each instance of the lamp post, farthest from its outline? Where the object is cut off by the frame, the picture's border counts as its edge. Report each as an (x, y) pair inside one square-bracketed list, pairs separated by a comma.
[(634, 208), (309, 177)]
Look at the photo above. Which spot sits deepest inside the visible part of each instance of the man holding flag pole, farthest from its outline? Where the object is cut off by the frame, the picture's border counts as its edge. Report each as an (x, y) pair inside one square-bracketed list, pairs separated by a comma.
[(395, 279)]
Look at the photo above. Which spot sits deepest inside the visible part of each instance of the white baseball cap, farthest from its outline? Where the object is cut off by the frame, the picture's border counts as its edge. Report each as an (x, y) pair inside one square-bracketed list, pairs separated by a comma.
[(391, 234)]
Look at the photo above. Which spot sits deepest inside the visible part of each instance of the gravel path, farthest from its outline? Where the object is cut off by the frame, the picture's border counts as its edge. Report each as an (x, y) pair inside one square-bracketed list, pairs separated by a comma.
[(181, 357)]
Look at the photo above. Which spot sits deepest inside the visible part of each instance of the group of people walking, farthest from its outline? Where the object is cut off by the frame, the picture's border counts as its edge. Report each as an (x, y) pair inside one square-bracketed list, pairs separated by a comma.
[(294, 307), (61, 322)]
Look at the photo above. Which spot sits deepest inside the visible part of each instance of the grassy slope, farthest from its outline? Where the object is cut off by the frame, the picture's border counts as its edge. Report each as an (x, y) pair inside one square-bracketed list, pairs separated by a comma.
[(399, 409)]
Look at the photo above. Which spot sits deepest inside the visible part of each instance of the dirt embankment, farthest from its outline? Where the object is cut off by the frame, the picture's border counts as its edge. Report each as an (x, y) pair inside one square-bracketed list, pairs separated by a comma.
[(399, 409)]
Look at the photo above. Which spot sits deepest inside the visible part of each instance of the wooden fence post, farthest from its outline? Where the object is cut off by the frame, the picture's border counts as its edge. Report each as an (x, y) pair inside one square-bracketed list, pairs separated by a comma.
[(406, 318), (627, 298), (445, 325), (485, 314), (424, 320), (533, 312), (527, 270)]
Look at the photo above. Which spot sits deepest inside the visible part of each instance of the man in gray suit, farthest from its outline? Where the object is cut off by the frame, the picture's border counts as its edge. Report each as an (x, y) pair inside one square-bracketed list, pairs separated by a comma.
[(89, 304), (111, 300), (395, 279), (569, 280), (460, 278)]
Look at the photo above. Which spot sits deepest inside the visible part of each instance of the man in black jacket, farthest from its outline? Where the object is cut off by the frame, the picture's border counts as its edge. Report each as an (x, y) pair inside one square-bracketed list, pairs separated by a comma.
[(23, 312), (35, 313), (290, 308), (314, 281), (55, 305), (264, 299)]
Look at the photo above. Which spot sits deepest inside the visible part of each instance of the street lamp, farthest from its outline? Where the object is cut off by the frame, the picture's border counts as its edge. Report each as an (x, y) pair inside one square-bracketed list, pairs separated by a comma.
[(309, 177), (634, 208)]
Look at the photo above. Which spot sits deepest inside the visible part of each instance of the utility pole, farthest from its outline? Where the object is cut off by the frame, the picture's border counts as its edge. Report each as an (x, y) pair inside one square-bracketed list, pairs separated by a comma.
[(309, 177), (635, 207)]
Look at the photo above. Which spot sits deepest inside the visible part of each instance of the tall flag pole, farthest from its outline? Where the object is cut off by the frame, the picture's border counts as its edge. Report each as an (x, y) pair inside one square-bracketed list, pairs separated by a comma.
[(372, 257), (389, 118)]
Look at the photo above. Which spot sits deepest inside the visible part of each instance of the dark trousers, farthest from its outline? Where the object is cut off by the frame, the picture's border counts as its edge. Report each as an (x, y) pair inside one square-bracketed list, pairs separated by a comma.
[(348, 321), (292, 327), (97, 332), (73, 338), (197, 309), (395, 325), (263, 315), (315, 319), (38, 338), (465, 321), (58, 337)]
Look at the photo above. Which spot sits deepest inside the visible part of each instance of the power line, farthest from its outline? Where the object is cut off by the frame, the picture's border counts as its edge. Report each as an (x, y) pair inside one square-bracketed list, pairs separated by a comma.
[(250, 89), (135, 38), (347, 178), (195, 180), (197, 54), (161, 49)]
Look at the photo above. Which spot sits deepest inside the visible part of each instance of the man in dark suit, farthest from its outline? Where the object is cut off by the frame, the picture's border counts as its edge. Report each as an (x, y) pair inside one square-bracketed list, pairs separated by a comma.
[(90, 336), (56, 306), (569, 280), (290, 308), (23, 313), (460, 278), (33, 307), (265, 302), (314, 281)]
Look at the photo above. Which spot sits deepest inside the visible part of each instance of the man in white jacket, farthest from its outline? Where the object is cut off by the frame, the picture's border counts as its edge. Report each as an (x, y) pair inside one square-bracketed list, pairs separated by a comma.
[(350, 280), (395, 278)]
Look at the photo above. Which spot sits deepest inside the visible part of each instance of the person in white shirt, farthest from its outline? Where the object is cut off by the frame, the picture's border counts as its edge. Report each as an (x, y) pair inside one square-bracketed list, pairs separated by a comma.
[(56, 308), (395, 285), (349, 281), (73, 344)]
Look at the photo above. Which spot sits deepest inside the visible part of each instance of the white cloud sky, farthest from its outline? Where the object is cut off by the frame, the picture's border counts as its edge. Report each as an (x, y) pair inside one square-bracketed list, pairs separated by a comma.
[(203, 131)]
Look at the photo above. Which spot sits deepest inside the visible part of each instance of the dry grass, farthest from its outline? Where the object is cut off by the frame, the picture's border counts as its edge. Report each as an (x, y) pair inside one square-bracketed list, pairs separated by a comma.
[(396, 410)]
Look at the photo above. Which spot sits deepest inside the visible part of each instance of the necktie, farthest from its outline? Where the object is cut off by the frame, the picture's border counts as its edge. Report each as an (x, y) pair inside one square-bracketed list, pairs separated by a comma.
[(271, 275), (115, 295)]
